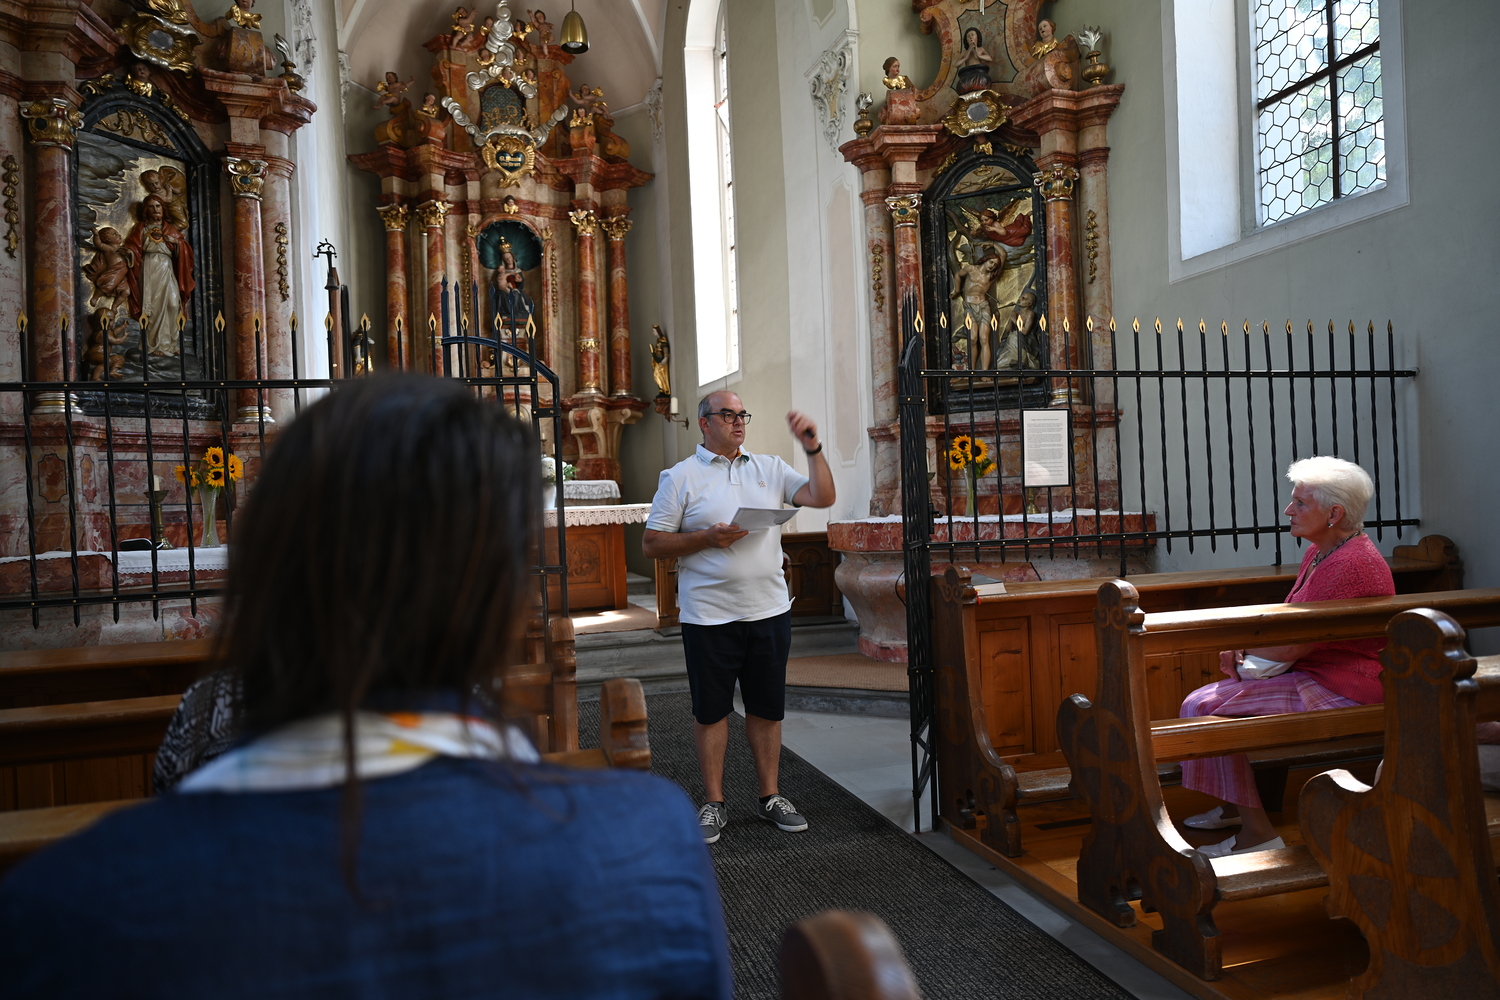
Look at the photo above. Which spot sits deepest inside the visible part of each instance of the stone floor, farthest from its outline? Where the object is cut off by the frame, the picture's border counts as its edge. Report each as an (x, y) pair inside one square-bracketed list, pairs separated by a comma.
[(871, 757)]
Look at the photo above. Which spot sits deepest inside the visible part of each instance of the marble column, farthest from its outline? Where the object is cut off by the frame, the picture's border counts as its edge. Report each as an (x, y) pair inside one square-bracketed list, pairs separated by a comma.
[(902, 271), (434, 217), (1064, 333), (52, 347), (397, 321), (15, 213), (247, 180), (276, 239), (590, 375), (619, 306), (905, 209), (1095, 270)]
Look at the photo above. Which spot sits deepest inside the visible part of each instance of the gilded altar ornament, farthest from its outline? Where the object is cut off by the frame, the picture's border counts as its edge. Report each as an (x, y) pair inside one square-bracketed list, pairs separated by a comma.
[(983, 146), (1056, 182), (159, 32), (282, 284), (510, 206), (138, 79), (1095, 71), (615, 228), (294, 80), (904, 208), (394, 217), (661, 356), (10, 173), (53, 122), (584, 220), (239, 13), (433, 214), (980, 111), (247, 178), (509, 156), (1091, 243), (862, 122), (877, 262)]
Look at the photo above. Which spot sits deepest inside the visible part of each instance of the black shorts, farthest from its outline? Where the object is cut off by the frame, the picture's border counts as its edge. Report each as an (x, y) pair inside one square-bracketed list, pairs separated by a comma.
[(754, 653)]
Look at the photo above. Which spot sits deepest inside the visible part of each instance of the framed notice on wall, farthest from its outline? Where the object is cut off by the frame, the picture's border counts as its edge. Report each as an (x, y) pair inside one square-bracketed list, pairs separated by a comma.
[(1047, 459)]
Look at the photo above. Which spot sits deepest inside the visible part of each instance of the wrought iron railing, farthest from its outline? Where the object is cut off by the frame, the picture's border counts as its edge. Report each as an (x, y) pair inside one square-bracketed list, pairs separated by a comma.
[(95, 511)]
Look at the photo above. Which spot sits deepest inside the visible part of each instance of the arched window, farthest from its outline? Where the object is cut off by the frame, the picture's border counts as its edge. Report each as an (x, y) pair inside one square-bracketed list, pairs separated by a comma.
[(711, 189)]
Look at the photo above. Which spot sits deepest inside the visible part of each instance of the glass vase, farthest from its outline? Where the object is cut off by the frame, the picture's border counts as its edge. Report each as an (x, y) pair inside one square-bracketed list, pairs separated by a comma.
[(971, 502), (208, 499)]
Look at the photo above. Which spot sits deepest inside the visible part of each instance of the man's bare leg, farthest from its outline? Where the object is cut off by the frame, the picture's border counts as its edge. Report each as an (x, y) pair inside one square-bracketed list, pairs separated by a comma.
[(765, 746), (711, 742)]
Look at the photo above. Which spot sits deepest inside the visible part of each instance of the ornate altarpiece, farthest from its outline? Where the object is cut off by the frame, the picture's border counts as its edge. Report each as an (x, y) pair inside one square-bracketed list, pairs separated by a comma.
[(137, 143), (502, 156)]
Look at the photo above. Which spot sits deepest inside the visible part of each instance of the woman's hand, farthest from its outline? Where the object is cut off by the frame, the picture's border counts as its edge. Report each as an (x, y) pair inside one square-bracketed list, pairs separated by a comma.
[(1229, 663)]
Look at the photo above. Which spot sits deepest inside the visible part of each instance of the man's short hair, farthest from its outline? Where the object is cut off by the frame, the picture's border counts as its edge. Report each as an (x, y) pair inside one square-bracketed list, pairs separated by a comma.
[(704, 407)]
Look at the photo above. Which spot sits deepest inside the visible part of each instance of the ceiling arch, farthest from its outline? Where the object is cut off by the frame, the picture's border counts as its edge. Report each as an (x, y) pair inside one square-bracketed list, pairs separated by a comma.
[(624, 35)]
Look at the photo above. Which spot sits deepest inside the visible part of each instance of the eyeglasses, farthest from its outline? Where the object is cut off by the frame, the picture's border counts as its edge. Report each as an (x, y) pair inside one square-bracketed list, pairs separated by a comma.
[(730, 417)]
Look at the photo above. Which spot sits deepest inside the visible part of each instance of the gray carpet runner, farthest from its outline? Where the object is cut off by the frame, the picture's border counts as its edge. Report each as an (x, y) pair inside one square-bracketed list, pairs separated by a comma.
[(962, 942)]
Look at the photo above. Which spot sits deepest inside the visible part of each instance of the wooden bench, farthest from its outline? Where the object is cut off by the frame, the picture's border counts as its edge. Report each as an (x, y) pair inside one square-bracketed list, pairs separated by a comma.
[(1133, 849), (623, 743), (1004, 658), (83, 675), (1411, 859), (844, 955), (810, 564)]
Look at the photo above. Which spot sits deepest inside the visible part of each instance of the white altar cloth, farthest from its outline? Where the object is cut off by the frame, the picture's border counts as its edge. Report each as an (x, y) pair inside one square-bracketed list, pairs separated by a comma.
[(623, 513)]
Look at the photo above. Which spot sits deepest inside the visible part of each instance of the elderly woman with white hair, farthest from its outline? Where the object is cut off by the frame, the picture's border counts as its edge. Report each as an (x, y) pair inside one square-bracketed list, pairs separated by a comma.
[(1329, 497)]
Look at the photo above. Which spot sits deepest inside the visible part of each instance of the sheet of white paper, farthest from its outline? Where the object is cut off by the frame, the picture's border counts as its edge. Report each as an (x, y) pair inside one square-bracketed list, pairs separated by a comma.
[(756, 518)]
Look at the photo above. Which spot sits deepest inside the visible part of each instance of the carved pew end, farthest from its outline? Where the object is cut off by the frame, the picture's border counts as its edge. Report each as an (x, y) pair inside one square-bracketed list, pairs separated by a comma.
[(840, 955)]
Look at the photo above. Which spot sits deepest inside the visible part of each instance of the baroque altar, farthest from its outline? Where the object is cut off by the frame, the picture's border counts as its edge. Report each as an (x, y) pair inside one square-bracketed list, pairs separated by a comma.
[(503, 199), (986, 190)]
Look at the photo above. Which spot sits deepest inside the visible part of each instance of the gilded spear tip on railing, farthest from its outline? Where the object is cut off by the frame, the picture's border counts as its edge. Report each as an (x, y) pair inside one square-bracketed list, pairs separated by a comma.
[(1111, 324), (1179, 324), (1247, 328), (1158, 326), (1351, 328), (399, 325), (328, 322), (1041, 322), (1223, 328), (364, 322), (431, 323), (21, 322), (1088, 323), (1202, 326), (181, 321), (1135, 324), (1370, 328), (1066, 327), (922, 327), (218, 322)]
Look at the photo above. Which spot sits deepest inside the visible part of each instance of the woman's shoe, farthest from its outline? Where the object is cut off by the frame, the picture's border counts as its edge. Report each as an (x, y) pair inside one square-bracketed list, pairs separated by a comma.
[(1214, 819), (1225, 848)]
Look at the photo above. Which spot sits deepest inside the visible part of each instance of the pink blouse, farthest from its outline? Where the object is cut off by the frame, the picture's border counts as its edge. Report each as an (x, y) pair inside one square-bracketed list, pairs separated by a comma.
[(1354, 569)]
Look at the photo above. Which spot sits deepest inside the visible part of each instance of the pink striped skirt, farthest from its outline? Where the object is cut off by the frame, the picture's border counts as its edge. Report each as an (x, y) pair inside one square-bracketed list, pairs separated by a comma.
[(1230, 778)]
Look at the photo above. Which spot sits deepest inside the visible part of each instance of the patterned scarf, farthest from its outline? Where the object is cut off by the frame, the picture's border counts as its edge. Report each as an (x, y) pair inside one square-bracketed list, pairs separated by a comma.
[(310, 753)]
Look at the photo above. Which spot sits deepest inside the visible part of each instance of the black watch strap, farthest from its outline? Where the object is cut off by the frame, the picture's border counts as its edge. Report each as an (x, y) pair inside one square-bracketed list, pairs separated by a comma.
[(815, 451)]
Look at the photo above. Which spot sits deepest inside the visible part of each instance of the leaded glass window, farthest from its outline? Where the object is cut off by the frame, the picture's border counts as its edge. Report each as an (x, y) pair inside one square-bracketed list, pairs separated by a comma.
[(1320, 118)]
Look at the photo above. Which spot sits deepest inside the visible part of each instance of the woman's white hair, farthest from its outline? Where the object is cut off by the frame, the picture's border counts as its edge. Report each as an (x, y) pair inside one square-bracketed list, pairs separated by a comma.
[(1334, 481)]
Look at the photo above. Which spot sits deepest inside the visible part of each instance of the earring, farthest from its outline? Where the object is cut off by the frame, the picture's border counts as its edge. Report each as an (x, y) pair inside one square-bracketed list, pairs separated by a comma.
[(1330, 524)]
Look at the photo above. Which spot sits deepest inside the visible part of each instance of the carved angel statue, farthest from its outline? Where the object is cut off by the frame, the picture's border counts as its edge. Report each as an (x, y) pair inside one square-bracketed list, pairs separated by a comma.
[(429, 107), (239, 13), (592, 100), (893, 79), (463, 22), (542, 25), (1046, 31), (986, 226), (392, 92), (661, 355)]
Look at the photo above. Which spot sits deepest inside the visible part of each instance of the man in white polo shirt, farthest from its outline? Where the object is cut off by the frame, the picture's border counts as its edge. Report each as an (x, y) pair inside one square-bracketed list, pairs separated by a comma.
[(735, 610)]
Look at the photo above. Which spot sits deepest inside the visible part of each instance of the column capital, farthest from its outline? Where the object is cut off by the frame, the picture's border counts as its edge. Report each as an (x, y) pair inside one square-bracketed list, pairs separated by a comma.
[(394, 217), (433, 214), (585, 221), (53, 122), (615, 228), (1056, 182), (904, 208), (247, 177)]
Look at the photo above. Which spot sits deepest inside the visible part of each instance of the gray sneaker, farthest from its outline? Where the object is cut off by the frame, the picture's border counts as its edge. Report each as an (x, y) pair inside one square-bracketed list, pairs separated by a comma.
[(712, 818), (778, 809)]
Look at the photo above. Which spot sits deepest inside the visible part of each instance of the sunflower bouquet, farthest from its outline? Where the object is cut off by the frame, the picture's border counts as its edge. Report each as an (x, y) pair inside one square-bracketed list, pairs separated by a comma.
[(210, 476), (970, 456)]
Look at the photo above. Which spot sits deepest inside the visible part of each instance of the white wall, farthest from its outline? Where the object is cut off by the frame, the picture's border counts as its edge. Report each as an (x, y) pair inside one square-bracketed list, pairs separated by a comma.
[(1429, 267)]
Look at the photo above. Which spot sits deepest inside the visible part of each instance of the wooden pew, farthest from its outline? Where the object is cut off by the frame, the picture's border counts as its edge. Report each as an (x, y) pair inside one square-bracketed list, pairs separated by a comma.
[(844, 955), (1133, 850), (1004, 657), (83, 675), (623, 743), (1410, 860)]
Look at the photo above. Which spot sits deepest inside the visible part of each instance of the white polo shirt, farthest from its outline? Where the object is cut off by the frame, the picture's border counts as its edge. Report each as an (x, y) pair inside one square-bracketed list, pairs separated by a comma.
[(744, 581)]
